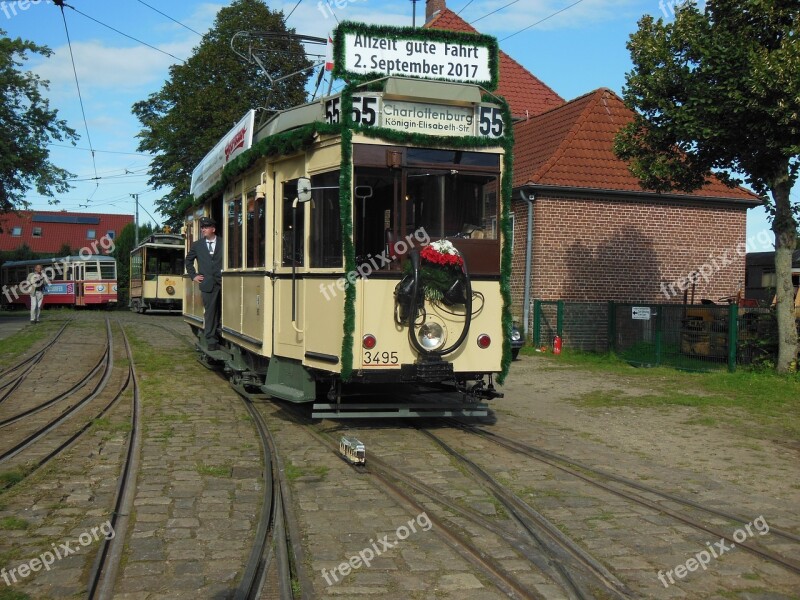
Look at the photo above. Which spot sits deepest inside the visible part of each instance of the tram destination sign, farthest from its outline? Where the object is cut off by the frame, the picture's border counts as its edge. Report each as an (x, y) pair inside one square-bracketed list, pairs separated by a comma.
[(373, 110), (368, 51)]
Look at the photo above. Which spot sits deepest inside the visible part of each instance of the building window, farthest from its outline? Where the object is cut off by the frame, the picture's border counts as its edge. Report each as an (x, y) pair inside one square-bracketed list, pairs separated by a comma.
[(37, 232), (91, 234), (111, 234), (16, 231)]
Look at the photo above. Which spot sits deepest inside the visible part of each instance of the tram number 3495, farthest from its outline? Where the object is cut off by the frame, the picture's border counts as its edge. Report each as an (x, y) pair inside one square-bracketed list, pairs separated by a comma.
[(380, 358)]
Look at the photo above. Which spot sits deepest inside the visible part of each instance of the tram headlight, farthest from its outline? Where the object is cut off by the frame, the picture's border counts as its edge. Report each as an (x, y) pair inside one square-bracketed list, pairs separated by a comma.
[(431, 336), (170, 290)]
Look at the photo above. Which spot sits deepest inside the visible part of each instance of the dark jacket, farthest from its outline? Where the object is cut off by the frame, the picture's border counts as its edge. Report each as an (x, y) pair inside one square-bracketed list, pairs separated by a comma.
[(208, 265)]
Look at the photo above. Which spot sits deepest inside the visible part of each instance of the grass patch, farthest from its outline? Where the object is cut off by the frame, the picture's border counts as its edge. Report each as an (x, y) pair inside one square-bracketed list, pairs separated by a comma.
[(13, 523), (765, 399), (9, 594), (11, 478), (22, 341), (214, 471), (295, 472)]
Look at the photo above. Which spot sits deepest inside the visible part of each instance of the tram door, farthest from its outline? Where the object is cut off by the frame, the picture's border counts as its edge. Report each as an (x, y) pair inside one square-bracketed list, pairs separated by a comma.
[(78, 274)]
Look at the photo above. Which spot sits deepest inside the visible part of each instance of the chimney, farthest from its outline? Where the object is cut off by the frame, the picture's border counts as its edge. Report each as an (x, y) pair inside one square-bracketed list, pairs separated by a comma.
[(433, 8)]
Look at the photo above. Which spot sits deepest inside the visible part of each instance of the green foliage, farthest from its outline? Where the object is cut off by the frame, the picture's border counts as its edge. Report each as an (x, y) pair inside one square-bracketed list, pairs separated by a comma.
[(27, 127), (718, 91), (211, 91)]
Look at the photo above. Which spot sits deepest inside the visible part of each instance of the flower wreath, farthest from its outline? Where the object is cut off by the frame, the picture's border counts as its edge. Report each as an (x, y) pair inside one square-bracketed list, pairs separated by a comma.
[(439, 269)]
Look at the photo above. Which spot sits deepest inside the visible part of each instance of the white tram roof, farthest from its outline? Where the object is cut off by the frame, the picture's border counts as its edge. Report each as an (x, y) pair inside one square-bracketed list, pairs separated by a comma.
[(62, 259), (160, 240)]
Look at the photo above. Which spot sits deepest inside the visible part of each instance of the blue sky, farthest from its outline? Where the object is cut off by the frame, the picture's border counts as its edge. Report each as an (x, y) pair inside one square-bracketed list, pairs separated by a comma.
[(573, 51)]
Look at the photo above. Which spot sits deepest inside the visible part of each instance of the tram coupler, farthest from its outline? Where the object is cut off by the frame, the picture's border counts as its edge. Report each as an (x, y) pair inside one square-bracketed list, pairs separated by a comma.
[(478, 390)]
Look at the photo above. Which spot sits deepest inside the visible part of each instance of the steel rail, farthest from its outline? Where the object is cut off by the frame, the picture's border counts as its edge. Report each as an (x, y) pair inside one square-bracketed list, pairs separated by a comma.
[(107, 561)]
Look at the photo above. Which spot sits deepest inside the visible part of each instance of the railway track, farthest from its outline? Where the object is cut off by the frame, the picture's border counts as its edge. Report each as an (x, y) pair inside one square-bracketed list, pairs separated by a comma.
[(26, 366), (622, 486), (107, 561)]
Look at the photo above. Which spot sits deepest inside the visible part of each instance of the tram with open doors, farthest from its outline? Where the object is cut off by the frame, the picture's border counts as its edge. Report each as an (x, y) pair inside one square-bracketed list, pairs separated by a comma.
[(366, 238), (156, 270)]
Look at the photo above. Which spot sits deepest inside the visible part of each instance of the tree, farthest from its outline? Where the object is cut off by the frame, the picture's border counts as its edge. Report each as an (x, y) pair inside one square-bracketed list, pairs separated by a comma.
[(719, 90), (27, 126), (208, 94)]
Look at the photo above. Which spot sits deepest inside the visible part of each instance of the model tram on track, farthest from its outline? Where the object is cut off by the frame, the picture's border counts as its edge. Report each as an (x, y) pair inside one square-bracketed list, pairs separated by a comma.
[(71, 281), (156, 272), (366, 239)]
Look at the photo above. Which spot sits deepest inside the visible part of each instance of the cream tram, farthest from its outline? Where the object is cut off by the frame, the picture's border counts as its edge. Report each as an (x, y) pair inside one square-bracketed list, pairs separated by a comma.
[(156, 271), (366, 237)]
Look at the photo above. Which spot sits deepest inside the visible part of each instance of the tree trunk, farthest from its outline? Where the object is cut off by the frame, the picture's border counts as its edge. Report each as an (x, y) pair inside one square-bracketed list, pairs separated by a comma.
[(785, 227)]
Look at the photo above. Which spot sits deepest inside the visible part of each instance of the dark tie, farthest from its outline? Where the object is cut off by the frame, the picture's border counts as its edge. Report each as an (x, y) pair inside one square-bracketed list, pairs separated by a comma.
[(211, 247)]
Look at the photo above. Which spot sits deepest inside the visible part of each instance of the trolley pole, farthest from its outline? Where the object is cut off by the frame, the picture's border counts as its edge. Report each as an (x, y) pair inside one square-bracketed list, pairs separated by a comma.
[(136, 222)]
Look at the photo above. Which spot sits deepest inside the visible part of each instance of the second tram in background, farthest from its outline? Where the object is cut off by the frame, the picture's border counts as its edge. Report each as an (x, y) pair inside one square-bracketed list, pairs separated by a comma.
[(71, 281), (156, 272)]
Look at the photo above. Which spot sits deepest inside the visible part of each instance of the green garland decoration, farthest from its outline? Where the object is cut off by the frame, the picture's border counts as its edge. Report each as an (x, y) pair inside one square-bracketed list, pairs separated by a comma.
[(412, 33), (346, 212)]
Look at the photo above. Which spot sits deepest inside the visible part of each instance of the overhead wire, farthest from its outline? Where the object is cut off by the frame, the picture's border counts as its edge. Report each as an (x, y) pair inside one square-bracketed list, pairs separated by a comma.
[(98, 151), (463, 8), (170, 18), (291, 13), (121, 32), (493, 12), (542, 20), (78, 86)]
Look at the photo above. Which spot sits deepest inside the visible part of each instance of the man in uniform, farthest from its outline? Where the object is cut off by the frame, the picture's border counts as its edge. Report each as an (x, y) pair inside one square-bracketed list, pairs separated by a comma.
[(207, 251)]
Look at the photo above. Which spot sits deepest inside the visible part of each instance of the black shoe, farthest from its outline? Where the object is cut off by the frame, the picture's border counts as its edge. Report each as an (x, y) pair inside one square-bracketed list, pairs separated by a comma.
[(212, 347)]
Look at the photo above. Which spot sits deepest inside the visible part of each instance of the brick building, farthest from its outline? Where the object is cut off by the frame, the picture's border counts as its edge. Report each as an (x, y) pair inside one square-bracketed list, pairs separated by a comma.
[(47, 232), (595, 234)]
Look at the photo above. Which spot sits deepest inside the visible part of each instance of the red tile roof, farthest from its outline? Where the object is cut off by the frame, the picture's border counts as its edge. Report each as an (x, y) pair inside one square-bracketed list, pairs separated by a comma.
[(571, 146), (58, 228), (526, 94)]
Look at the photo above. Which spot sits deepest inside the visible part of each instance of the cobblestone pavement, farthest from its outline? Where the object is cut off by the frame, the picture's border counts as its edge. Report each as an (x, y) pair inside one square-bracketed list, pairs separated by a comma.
[(199, 491)]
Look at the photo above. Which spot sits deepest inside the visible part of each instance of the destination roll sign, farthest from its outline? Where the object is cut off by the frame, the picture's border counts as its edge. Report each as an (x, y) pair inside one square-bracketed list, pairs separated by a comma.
[(368, 51)]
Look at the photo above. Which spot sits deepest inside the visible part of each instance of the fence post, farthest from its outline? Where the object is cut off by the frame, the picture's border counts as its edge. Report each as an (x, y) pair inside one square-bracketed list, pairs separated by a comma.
[(612, 326), (537, 317), (733, 335), (659, 325), (560, 319)]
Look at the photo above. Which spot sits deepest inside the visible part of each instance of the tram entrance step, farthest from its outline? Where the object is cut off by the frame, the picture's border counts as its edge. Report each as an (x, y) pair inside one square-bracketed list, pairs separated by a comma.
[(374, 410)]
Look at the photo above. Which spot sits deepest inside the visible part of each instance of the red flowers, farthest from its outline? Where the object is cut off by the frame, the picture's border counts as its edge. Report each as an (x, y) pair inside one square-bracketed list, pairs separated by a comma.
[(442, 253)]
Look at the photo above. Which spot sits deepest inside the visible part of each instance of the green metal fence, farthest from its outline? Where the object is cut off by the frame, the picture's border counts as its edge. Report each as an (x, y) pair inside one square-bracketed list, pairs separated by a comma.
[(693, 337)]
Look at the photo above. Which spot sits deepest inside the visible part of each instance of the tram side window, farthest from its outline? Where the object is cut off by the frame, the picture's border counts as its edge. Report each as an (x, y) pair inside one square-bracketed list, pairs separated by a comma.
[(136, 266), (234, 233), (256, 228), (325, 244), (292, 250), (91, 271), (108, 271)]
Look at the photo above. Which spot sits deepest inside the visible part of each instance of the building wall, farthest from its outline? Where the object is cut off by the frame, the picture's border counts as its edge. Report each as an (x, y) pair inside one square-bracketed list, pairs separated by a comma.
[(597, 250)]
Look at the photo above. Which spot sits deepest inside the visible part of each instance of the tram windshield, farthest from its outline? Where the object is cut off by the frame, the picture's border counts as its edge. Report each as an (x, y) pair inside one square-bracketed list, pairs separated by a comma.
[(444, 193), (164, 261)]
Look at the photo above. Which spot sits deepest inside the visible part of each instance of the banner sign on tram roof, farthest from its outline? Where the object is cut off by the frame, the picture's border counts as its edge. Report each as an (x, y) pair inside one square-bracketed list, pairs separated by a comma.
[(368, 51), (236, 141)]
